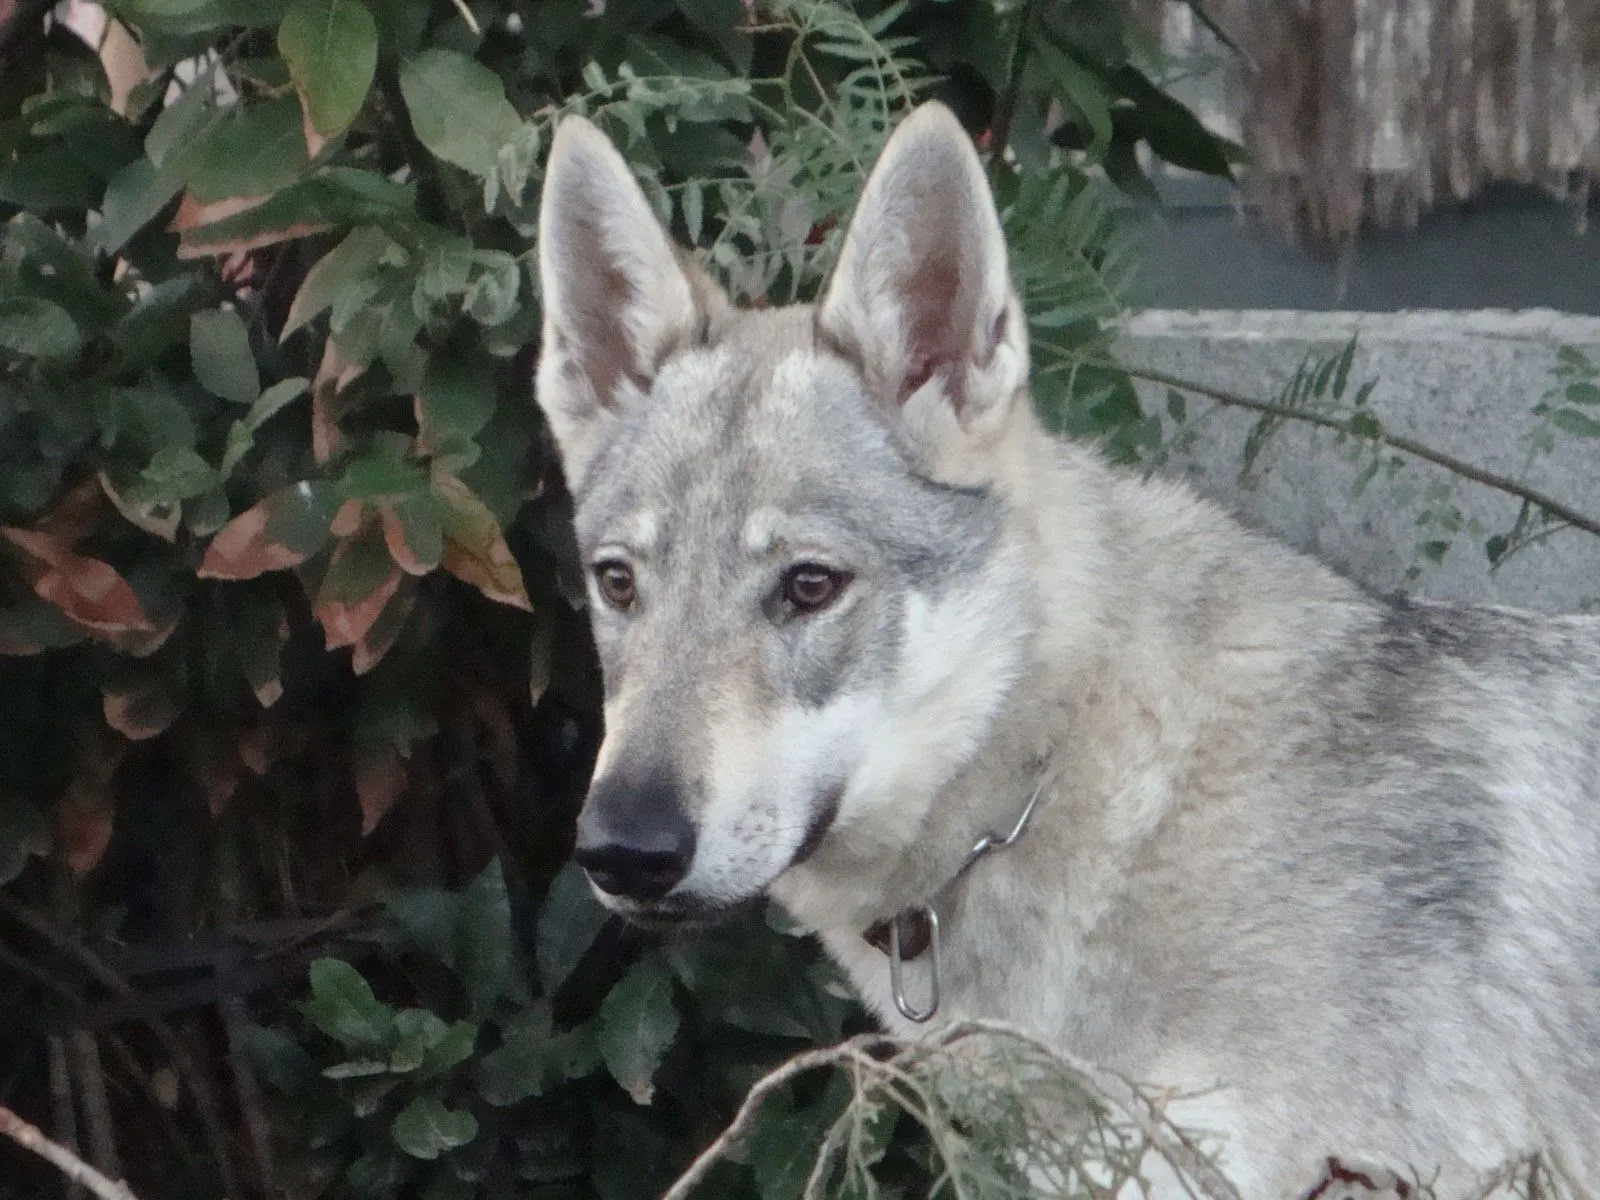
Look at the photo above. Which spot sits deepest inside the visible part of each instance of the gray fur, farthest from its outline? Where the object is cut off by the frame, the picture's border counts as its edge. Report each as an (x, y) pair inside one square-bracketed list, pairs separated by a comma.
[(1332, 859)]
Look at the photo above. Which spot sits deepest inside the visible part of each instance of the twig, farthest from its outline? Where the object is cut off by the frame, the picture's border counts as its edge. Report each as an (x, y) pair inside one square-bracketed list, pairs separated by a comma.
[(801, 1064), (84, 1054), (182, 1061), (1395, 441), (60, 1080), (247, 1090), (74, 1168), (66, 1112), (1107, 1087)]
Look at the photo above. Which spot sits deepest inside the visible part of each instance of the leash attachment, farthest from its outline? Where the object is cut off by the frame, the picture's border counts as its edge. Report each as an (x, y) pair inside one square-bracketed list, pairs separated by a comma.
[(917, 920), (909, 934)]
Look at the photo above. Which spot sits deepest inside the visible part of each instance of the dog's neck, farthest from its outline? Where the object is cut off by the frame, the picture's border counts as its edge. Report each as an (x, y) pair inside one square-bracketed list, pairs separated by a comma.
[(855, 881)]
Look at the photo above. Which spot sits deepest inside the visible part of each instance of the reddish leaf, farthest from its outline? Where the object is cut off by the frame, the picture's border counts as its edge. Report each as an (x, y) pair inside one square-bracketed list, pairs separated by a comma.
[(86, 810), (89, 591), (282, 531), (334, 374), (314, 140), (216, 766), (475, 550), (193, 218), (500, 746), (347, 520), (386, 630), (361, 579), (413, 532), (75, 515), (140, 709), (380, 778), (265, 744), (139, 643)]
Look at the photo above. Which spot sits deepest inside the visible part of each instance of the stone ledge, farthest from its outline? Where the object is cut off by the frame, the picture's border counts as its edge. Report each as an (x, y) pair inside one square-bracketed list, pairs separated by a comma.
[(1461, 382)]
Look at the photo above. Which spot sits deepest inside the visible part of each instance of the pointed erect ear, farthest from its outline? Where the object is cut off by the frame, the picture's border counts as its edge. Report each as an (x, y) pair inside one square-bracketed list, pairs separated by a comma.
[(921, 297), (618, 298)]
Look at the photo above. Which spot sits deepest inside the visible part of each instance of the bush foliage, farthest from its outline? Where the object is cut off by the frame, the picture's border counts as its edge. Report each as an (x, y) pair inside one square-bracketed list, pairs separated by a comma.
[(297, 703)]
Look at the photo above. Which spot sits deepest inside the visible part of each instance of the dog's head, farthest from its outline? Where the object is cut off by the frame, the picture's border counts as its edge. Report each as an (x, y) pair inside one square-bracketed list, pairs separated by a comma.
[(803, 588)]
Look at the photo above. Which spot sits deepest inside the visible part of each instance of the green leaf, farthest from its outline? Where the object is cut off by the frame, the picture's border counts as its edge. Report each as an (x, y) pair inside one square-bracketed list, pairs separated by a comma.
[(722, 22), (427, 1044), (219, 351), (483, 938), (1570, 420), (353, 575), (637, 1024), (133, 198), (455, 402), (458, 108), (425, 1128), (492, 298), (332, 196), (1583, 393), (547, 1153), (252, 150), (37, 328), (784, 1145), (521, 1066), (272, 401), (418, 1031), (158, 9), (421, 530), (428, 916), (331, 47), (1364, 425), (278, 1058), (174, 132), (173, 474), (343, 1007), (451, 1050), (1173, 131), (569, 921), (360, 1068), (1082, 90), (335, 273), (532, 1060), (377, 1173)]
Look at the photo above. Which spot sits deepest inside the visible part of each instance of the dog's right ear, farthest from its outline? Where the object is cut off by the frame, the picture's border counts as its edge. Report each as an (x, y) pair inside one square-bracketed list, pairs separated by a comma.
[(617, 299)]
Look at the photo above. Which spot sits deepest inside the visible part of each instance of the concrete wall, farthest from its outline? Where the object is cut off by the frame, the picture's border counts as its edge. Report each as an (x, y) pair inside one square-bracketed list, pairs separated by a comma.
[(1462, 382)]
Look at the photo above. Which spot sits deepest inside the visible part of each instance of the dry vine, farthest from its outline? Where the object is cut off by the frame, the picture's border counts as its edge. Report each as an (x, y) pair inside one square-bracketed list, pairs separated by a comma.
[(29, 1137), (1087, 1124)]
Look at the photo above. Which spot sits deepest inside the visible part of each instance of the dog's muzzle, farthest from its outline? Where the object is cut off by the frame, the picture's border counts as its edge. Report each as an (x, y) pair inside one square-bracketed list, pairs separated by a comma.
[(634, 839)]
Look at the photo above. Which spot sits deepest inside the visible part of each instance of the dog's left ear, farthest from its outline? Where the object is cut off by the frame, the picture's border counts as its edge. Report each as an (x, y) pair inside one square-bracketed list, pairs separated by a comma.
[(921, 298)]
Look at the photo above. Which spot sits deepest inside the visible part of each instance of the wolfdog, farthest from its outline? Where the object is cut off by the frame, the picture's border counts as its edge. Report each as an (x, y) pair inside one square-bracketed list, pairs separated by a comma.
[(1328, 863)]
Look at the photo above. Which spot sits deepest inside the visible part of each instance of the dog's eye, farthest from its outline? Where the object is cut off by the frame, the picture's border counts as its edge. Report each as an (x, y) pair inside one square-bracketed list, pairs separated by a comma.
[(616, 583), (811, 587)]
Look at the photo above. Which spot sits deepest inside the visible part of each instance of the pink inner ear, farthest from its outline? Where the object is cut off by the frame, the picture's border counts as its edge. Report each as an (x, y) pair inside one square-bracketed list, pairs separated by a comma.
[(600, 294), (939, 315)]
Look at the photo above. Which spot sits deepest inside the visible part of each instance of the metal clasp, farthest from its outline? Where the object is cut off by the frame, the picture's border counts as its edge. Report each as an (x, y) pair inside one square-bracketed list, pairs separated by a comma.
[(896, 965)]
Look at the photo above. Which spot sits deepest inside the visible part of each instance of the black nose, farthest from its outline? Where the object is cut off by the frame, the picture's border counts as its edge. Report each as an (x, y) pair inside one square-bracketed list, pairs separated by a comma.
[(634, 839)]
